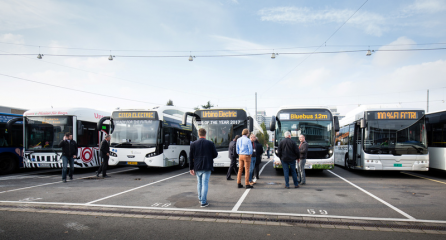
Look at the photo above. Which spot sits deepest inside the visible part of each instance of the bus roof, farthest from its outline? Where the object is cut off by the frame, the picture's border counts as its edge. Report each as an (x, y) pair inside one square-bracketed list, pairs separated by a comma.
[(436, 112), (83, 114)]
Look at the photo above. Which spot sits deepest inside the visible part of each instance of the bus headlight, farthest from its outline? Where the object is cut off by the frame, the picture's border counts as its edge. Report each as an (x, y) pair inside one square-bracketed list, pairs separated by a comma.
[(113, 154), (150, 155)]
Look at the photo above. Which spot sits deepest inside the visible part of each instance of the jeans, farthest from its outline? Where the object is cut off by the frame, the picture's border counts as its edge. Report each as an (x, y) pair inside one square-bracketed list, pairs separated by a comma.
[(302, 167), (291, 166), (202, 186), (65, 160), (251, 168), (267, 153)]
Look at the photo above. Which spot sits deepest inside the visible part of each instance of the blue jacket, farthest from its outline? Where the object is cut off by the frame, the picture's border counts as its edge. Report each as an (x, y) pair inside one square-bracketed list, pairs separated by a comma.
[(244, 146), (202, 154)]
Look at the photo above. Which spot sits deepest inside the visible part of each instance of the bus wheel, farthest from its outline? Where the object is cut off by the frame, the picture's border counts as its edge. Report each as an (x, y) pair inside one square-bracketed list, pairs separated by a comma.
[(7, 165), (347, 165), (182, 162)]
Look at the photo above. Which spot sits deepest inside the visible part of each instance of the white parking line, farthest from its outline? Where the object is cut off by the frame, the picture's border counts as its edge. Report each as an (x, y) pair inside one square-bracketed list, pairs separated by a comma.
[(26, 174), (45, 184), (114, 195), (227, 211), (240, 201), (375, 197)]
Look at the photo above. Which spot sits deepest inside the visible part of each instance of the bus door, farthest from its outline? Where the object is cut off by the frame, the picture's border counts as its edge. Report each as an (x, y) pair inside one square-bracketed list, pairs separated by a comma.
[(352, 146), (358, 145)]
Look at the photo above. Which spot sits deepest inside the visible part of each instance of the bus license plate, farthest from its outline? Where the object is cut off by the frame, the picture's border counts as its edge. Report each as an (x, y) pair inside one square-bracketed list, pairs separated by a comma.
[(397, 165), (44, 164), (219, 164), (132, 163)]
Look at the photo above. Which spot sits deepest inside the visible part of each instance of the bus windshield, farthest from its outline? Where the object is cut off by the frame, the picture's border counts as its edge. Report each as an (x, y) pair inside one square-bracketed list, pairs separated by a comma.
[(135, 133), (220, 132), (395, 137), (317, 133), (45, 133)]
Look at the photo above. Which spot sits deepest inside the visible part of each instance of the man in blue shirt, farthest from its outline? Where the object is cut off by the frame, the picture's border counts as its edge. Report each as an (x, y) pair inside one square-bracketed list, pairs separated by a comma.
[(244, 150)]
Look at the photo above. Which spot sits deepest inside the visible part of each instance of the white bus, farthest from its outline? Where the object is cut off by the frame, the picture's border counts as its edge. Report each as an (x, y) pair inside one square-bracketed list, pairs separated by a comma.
[(317, 124), (222, 125), (43, 129), (383, 139), (149, 137), (436, 139)]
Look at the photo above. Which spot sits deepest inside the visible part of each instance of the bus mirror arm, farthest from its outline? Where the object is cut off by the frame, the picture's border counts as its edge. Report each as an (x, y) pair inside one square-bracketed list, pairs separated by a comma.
[(101, 121), (272, 126), (250, 124), (11, 122), (184, 121), (336, 123), (362, 123)]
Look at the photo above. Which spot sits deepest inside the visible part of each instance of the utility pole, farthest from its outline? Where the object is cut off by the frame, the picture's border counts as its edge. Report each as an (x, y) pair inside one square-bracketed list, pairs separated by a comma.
[(256, 107), (427, 107)]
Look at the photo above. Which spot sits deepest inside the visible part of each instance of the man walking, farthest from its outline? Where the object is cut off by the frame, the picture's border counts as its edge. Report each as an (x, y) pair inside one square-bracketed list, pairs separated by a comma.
[(267, 150), (202, 154), (244, 150), (253, 158), (288, 152), (232, 152), (303, 149), (69, 152), (105, 155)]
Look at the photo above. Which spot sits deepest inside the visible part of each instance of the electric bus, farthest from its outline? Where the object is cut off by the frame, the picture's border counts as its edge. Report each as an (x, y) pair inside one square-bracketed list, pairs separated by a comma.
[(149, 137), (317, 124), (383, 139), (43, 129), (222, 125), (11, 144), (436, 139)]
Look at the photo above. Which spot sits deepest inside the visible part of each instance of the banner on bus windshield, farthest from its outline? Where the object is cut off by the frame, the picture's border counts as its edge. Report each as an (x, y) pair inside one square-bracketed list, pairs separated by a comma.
[(221, 114), (151, 115), (394, 115), (304, 114)]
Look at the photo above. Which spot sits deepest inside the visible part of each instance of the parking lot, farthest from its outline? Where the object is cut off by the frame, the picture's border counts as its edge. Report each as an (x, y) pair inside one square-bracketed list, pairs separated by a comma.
[(414, 197)]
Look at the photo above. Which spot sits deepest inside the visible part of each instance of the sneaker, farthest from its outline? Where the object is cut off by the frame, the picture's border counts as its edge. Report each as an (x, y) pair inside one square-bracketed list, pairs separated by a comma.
[(249, 186), (230, 179), (252, 183), (97, 174), (296, 186), (303, 183), (239, 185), (205, 205), (106, 176), (64, 180), (287, 187), (71, 178)]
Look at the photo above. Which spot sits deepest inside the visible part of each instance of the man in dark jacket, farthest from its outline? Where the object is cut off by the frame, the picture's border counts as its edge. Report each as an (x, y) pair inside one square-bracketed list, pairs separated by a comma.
[(288, 152), (202, 154), (259, 153), (105, 155), (69, 152), (232, 154), (303, 150)]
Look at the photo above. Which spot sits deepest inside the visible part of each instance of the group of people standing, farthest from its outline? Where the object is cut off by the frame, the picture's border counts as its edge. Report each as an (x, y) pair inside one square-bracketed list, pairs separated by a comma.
[(249, 152), (69, 153)]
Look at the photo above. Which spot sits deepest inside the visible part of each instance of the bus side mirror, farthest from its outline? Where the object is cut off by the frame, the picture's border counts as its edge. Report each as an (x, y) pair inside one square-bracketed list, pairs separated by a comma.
[(272, 125), (166, 141), (250, 124), (362, 123), (80, 128), (336, 124)]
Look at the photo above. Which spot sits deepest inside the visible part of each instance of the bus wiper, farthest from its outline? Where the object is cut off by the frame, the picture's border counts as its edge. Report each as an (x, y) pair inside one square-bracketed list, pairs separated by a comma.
[(419, 150), (123, 144)]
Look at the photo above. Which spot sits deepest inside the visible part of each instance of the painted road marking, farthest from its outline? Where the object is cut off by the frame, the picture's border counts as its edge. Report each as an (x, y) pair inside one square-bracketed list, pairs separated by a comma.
[(133, 189), (413, 175), (45, 184), (229, 211), (375, 197), (27, 174), (240, 201)]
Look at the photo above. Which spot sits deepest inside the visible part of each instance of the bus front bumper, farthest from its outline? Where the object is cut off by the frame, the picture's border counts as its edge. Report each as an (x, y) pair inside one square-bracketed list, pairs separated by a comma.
[(310, 163)]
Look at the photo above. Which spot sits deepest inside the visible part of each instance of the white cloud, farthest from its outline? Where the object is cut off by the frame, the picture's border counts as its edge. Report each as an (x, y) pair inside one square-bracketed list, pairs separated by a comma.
[(389, 59), (12, 38), (426, 6), (372, 23)]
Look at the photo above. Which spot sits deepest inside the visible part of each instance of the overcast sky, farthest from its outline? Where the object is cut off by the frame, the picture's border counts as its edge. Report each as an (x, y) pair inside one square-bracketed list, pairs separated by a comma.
[(225, 27)]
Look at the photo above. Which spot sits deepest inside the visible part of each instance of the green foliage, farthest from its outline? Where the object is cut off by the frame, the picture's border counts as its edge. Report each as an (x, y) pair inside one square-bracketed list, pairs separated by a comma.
[(207, 106), (263, 137), (169, 103)]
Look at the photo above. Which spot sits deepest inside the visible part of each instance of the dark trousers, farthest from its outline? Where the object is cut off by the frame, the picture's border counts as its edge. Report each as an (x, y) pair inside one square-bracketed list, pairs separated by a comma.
[(257, 170), (232, 167), (104, 166), (65, 161)]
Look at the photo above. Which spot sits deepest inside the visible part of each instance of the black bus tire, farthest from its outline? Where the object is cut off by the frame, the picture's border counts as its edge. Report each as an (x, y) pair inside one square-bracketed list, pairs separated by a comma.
[(7, 164), (182, 160)]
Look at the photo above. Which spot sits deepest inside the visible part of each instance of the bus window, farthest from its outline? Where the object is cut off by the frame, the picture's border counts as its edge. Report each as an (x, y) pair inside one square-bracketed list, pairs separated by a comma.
[(89, 137)]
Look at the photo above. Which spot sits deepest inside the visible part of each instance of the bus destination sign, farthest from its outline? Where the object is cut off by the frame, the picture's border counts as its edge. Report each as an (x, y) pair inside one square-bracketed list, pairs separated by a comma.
[(48, 120), (222, 114), (305, 115), (135, 115), (396, 115)]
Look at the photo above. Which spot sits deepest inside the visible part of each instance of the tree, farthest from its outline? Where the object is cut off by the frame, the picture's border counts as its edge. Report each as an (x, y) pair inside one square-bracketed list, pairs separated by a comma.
[(263, 137), (169, 103), (207, 106), (196, 108)]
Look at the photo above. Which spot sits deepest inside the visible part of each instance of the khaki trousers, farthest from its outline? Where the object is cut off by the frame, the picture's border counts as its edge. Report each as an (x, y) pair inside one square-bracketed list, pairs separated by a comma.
[(243, 162)]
